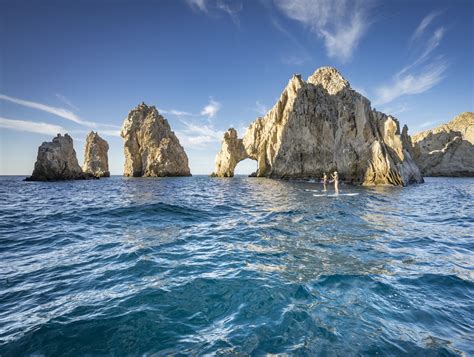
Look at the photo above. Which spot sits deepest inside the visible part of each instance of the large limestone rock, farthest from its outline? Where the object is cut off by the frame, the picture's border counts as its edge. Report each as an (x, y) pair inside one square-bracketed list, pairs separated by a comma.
[(321, 125), (57, 161), (447, 150), (151, 147), (96, 161)]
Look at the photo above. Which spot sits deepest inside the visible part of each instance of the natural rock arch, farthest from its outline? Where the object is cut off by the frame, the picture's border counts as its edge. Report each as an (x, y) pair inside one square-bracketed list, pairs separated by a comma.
[(319, 125)]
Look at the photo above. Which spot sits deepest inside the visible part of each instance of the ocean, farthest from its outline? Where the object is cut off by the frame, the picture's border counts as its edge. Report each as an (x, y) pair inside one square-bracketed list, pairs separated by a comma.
[(235, 267)]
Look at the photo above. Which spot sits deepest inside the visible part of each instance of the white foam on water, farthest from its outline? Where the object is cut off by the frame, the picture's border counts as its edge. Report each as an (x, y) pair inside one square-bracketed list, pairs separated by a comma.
[(337, 195)]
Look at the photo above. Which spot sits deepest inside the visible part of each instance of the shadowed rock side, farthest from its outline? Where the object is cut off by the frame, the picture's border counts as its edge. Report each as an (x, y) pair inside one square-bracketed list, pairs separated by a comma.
[(57, 161), (96, 161), (151, 147), (320, 126), (447, 150)]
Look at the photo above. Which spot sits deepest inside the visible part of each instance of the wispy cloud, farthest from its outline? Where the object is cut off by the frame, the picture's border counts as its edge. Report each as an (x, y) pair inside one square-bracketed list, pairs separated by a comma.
[(427, 20), (299, 55), (211, 109), (214, 7), (341, 24), (31, 126), (424, 72), (198, 4), (66, 101), (60, 112), (407, 84), (198, 134), (431, 44), (176, 112)]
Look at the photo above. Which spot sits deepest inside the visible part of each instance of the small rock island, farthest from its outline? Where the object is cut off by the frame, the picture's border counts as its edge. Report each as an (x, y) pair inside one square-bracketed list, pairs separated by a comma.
[(447, 150), (96, 160), (321, 125), (151, 148), (57, 160)]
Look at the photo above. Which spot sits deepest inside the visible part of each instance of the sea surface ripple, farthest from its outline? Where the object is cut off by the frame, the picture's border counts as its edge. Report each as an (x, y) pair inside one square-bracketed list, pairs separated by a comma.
[(242, 266)]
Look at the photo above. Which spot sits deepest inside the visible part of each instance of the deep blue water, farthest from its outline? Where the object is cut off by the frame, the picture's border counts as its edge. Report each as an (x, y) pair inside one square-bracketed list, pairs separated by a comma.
[(242, 266)]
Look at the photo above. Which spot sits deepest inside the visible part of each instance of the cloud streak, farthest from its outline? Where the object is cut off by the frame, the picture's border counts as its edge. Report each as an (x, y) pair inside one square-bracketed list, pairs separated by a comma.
[(340, 23), (427, 20), (30, 126), (66, 101), (408, 84), (213, 7), (60, 112), (424, 72)]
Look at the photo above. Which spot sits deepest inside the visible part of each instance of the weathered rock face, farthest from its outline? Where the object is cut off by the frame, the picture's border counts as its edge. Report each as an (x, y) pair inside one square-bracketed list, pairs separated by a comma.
[(447, 150), (232, 151), (96, 161), (151, 147), (323, 125), (57, 161)]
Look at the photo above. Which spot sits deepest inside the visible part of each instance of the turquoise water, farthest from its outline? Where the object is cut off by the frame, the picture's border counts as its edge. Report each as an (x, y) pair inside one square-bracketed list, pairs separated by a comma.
[(243, 266)]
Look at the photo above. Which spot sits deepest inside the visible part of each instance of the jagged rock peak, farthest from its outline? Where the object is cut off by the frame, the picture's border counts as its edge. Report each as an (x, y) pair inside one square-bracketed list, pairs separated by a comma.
[(330, 79), (96, 160), (57, 160), (447, 150), (151, 147)]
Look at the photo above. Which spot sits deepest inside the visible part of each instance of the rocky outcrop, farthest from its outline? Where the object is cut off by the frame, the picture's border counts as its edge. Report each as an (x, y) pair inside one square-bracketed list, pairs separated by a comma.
[(232, 151), (96, 161), (321, 125), (57, 161), (447, 150), (151, 147)]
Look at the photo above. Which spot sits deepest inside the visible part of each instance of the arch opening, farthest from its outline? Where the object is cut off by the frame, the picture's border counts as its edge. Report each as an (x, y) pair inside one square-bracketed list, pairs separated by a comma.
[(246, 167)]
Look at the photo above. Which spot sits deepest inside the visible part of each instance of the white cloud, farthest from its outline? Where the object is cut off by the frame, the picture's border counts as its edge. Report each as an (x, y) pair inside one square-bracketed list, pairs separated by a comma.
[(211, 109), (212, 7), (60, 112), (175, 112), (424, 24), (30, 126), (421, 74), (433, 42), (66, 101), (408, 84), (198, 4), (197, 134), (340, 23)]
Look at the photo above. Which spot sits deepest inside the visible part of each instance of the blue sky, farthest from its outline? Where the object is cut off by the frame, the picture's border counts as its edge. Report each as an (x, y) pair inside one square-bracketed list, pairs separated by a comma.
[(76, 66)]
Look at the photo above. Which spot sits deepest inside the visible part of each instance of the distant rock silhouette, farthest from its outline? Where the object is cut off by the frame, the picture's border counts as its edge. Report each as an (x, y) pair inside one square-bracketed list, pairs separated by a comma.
[(447, 150), (96, 160), (321, 125), (151, 147)]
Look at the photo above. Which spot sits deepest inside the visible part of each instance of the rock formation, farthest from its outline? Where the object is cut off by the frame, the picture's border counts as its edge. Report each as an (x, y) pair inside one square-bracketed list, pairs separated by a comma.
[(321, 125), (96, 161), (447, 150), (57, 161), (151, 147)]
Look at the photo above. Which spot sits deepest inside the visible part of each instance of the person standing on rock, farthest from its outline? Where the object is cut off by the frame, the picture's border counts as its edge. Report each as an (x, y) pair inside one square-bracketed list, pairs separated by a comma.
[(335, 178)]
